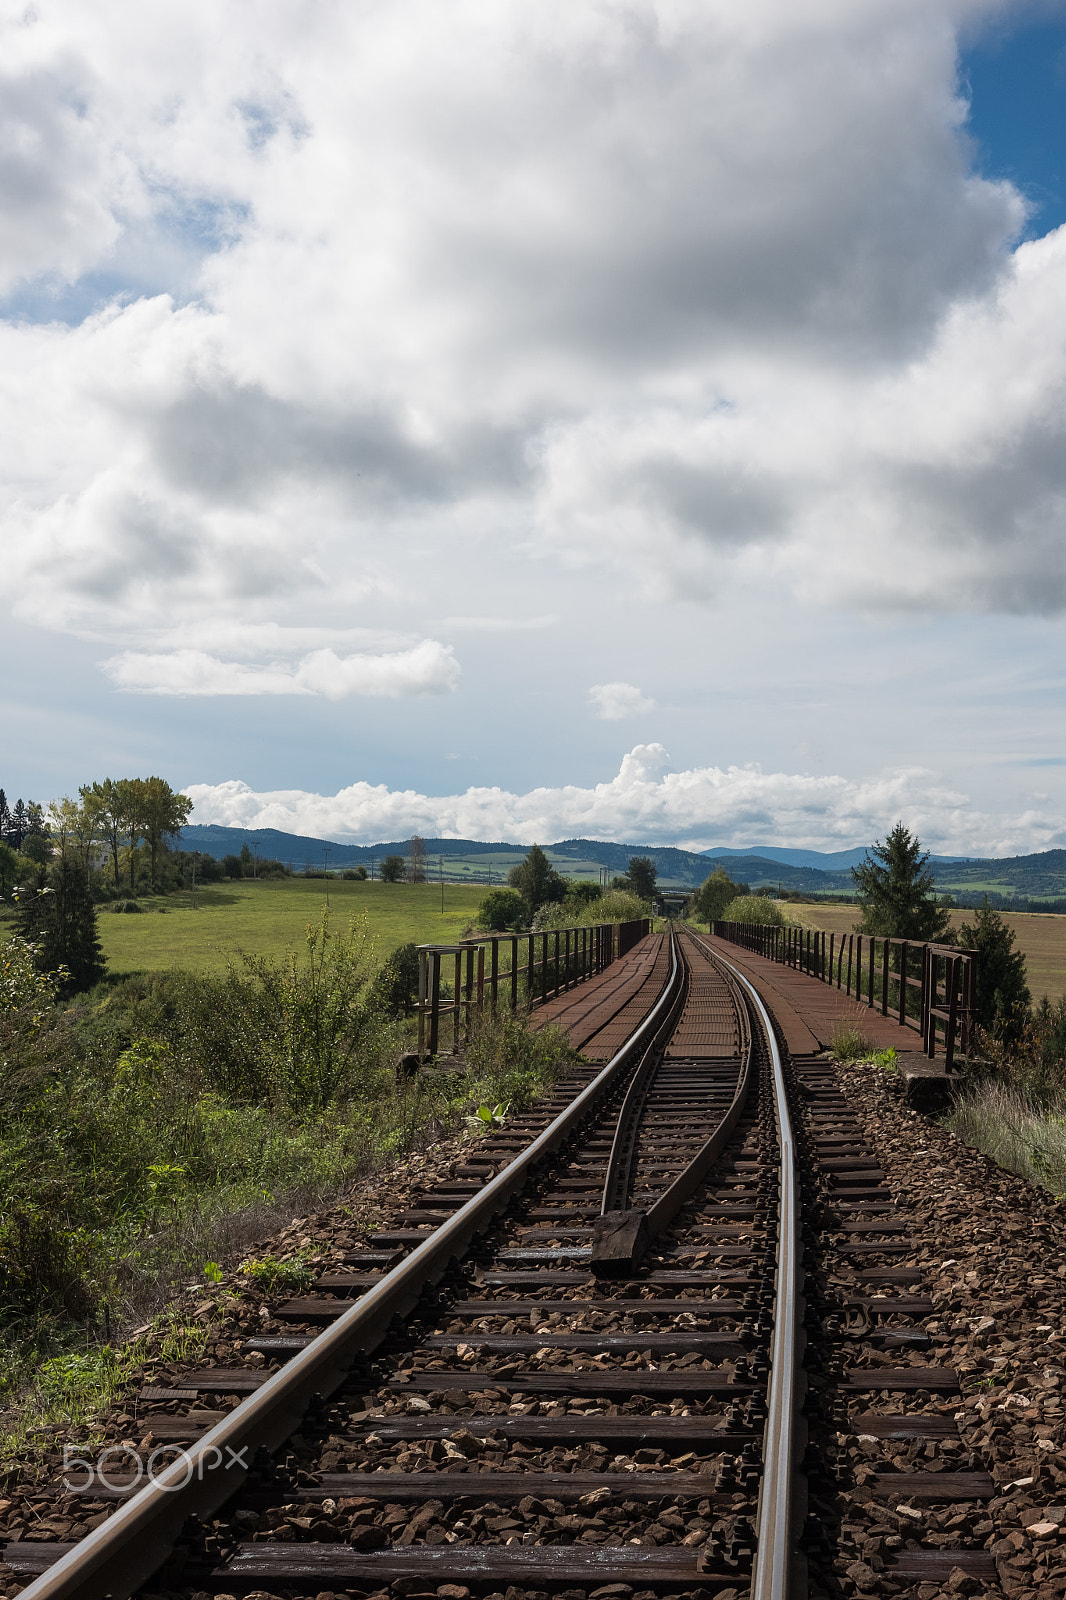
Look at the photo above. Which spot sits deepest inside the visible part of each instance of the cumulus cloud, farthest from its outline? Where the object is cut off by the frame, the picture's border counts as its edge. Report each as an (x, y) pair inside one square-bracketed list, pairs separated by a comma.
[(613, 701), (646, 803), (428, 668), (677, 288)]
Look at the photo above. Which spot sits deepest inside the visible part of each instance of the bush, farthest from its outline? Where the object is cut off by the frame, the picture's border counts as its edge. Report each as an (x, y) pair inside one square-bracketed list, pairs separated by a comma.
[(500, 910), (1002, 992), (354, 874), (395, 989), (754, 908)]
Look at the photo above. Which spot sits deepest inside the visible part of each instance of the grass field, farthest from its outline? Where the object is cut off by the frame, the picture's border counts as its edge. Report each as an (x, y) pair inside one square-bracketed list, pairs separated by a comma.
[(1039, 935), (205, 930)]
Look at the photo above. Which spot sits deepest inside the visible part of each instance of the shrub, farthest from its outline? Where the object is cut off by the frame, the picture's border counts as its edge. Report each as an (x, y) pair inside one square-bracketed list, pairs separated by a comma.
[(42, 1267), (354, 874), (1002, 992), (500, 910), (754, 908), (395, 989)]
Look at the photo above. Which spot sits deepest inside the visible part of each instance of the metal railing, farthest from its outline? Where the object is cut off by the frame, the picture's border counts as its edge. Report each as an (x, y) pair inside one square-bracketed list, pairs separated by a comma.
[(457, 981), (927, 987)]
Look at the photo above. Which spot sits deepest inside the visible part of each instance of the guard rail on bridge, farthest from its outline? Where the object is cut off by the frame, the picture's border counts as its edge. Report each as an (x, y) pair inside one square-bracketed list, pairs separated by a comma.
[(517, 969), (924, 986)]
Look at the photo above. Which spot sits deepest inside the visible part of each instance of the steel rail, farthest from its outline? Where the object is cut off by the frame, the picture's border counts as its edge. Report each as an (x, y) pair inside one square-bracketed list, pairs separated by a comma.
[(117, 1557), (616, 1185), (774, 1533), (687, 1182)]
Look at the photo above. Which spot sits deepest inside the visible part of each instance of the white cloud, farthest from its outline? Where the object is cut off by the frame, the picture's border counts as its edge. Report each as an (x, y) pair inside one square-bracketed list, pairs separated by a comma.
[(645, 803), (613, 701), (672, 286), (428, 668)]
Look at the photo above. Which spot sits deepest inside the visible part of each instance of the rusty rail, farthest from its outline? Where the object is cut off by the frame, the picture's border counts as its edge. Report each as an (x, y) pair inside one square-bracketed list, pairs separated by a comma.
[(554, 961), (927, 987)]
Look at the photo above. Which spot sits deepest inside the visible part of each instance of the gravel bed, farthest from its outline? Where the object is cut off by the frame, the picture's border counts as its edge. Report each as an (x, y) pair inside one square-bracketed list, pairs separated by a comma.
[(990, 1249)]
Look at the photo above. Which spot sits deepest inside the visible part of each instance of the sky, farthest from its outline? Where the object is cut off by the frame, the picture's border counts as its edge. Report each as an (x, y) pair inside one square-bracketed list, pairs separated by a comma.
[(637, 419)]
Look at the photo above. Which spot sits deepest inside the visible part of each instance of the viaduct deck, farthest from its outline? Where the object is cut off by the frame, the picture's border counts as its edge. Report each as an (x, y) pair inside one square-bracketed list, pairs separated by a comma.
[(597, 1014)]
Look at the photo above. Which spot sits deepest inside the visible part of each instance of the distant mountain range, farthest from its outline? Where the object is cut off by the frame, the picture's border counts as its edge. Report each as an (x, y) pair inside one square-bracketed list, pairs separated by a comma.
[(1012, 880), (824, 860)]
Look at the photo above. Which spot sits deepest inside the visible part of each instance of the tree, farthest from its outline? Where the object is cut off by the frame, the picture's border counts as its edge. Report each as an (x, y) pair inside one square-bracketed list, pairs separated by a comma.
[(19, 825), (393, 869), (8, 868), (642, 875), (162, 815), (500, 910), (5, 817), (232, 866), (754, 908), (895, 890), (713, 895), (1002, 991), (128, 796), (74, 829), (583, 891), (537, 880), (416, 856), (35, 847), (103, 801), (58, 918)]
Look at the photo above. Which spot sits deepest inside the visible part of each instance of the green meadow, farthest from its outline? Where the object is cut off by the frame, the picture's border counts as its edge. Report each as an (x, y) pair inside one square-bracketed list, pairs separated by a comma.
[(205, 930)]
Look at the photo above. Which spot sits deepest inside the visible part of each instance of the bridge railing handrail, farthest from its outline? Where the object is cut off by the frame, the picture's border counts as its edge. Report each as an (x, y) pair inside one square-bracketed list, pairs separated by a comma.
[(924, 985), (550, 962)]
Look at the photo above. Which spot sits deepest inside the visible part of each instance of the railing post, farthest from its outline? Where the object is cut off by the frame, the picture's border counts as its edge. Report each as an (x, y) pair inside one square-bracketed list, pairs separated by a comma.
[(423, 960), (903, 946), (870, 980), (858, 967), (434, 1002), (954, 976), (832, 942), (457, 1004), (851, 947), (531, 992), (469, 990), (495, 972), (514, 972), (884, 977)]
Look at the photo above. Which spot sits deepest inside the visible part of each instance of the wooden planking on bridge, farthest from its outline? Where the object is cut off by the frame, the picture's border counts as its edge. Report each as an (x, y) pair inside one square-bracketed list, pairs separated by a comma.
[(599, 1015), (808, 1011)]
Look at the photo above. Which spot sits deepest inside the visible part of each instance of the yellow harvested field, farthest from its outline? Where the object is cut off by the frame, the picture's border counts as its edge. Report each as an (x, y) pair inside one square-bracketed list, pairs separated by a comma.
[(1039, 934)]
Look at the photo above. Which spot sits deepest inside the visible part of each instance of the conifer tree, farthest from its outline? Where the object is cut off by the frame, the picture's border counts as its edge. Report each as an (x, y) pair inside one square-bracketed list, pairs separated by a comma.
[(896, 890), (58, 918)]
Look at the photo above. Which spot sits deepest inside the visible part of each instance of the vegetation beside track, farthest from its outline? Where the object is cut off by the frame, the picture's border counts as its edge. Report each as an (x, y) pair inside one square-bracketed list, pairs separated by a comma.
[(155, 1125)]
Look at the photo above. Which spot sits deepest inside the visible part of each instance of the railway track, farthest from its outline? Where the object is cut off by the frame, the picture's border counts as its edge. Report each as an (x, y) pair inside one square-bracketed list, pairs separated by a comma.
[(586, 1373)]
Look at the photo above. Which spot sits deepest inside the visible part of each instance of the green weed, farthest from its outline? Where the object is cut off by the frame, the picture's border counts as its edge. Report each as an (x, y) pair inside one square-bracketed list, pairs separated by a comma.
[(274, 1276), (487, 1117), (849, 1042)]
